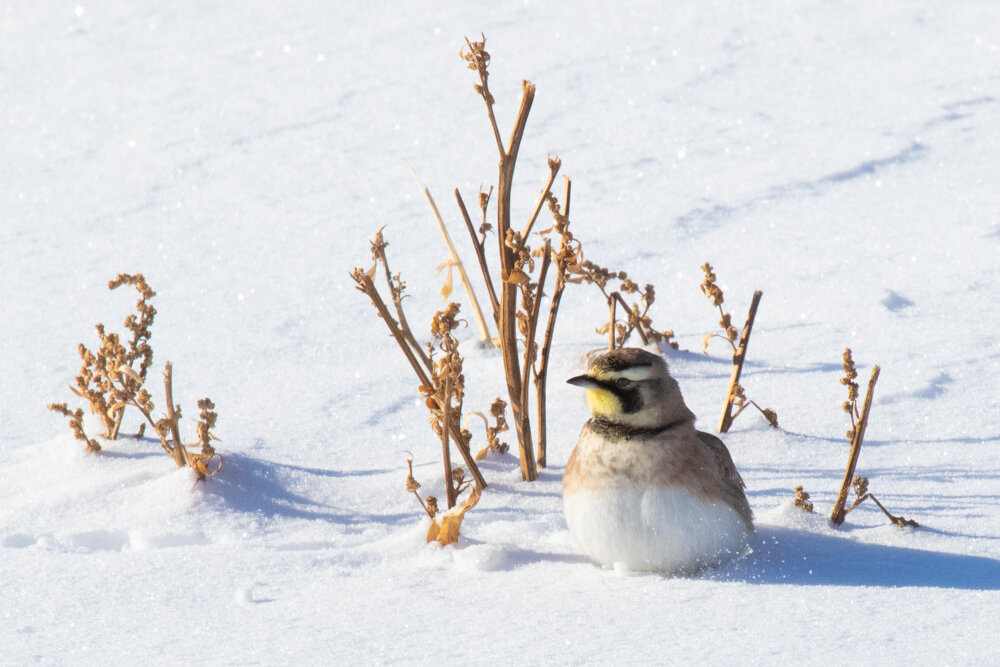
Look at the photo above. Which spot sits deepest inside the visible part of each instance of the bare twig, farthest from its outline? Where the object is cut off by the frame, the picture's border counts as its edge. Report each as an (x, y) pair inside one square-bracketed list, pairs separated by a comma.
[(563, 257), (530, 349), (738, 358), (481, 255), (396, 293), (177, 449), (838, 514), (446, 420), (553, 170), (508, 292)]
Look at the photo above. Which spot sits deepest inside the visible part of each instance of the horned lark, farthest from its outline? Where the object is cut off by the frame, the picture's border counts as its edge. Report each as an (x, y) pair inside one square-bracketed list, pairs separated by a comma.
[(642, 487)]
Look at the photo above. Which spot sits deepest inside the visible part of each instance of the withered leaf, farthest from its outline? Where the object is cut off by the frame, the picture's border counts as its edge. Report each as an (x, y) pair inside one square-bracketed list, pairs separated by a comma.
[(131, 374), (704, 343), (448, 530), (518, 277)]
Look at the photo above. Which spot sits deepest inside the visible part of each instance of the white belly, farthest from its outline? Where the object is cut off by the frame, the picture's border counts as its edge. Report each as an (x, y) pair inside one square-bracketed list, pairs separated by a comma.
[(657, 528)]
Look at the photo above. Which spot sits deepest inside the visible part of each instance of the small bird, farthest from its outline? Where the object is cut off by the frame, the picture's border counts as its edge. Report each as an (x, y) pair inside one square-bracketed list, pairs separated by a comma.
[(642, 487)]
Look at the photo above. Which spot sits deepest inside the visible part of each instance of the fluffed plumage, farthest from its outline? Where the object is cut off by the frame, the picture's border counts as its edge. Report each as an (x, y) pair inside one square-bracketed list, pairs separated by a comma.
[(643, 487)]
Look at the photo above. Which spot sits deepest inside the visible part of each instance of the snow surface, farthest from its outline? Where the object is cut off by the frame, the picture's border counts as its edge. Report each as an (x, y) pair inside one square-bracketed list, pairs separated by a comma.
[(841, 156)]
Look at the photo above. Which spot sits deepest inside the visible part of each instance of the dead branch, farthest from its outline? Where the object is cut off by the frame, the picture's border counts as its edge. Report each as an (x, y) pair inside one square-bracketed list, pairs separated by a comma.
[(838, 514), (479, 245), (738, 358)]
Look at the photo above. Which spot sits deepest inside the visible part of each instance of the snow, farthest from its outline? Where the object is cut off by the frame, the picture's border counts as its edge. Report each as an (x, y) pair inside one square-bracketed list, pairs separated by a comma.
[(841, 157)]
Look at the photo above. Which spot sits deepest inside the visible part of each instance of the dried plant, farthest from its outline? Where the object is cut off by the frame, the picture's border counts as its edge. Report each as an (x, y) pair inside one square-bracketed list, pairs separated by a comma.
[(445, 395), (851, 404), (859, 485), (76, 425), (498, 411), (735, 396), (441, 381), (412, 485), (517, 309), (455, 262), (110, 381), (714, 293), (802, 500), (856, 435), (636, 315), (526, 258), (447, 530)]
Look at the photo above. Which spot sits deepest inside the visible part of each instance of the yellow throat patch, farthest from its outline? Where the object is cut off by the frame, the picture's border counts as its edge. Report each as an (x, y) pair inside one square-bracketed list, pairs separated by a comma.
[(603, 402)]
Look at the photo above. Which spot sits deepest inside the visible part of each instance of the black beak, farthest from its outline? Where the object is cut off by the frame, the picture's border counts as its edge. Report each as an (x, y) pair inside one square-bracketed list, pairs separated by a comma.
[(584, 381)]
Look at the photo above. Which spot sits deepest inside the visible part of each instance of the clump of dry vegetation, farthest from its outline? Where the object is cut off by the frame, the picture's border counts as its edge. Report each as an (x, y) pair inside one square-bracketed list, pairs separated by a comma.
[(498, 411), (113, 378), (447, 530), (855, 435), (636, 314), (523, 268), (735, 395), (529, 261), (439, 372), (441, 381)]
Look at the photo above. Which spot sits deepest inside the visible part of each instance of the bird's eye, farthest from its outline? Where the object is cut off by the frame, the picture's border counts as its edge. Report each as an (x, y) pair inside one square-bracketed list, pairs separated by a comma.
[(622, 382)]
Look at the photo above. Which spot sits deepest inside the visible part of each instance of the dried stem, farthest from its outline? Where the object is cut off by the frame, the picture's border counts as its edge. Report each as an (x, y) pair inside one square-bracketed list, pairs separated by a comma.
[(553, 170), (838, 514), (530, 349), (173, 417), (541, 374), (634, 320), (509, 290), (378, 249), (612, 316), (896, 520), (445, 447), (484, 332), (738, 358), (366, 285), (569, 185), (479, 60), (481, 255)]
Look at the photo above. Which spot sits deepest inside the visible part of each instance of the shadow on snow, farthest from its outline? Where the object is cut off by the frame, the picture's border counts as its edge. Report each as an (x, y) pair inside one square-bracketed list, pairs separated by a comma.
[(797, 557)]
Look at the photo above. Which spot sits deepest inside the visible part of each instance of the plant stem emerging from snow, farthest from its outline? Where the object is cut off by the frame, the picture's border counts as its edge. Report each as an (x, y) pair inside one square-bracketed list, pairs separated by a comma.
[(738, 358), (858, 436)]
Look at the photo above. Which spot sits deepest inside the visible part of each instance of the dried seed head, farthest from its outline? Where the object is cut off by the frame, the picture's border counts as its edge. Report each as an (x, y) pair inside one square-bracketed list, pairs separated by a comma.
[(411, 484), (498, 408), (802, 500)]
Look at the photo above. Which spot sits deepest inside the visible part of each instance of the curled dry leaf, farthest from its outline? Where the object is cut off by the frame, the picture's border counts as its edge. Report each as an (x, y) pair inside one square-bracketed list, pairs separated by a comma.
[(518, 277), (447, 531)]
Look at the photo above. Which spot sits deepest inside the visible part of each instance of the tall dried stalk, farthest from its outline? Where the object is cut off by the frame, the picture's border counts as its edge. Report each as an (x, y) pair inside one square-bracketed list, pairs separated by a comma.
[(566, 257), (735, 394), (857, 433), (859, 422), (478, 59), (517, 305), (739, 356), (456, 262), (518, 308)]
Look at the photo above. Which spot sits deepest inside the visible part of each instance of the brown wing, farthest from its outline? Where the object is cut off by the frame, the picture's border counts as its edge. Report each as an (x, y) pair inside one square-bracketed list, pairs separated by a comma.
[(737, 499), (723, 458)]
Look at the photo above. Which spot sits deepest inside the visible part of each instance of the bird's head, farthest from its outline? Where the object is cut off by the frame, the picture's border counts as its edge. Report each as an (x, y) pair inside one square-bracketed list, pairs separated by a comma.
[(631, 386)]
